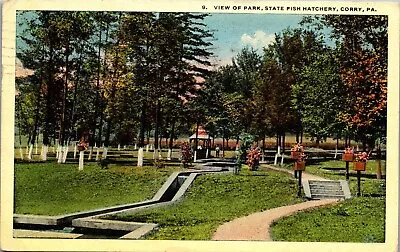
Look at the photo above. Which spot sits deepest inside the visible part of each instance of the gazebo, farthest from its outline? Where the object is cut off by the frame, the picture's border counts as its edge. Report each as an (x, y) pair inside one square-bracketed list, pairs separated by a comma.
[(206, 138)]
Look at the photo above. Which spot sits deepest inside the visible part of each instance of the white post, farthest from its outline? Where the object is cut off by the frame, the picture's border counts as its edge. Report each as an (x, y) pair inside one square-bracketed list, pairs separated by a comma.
[(60, 154), (195, 156), (97, 153), (81, 157), (30, 152), (119, 147), (90, 153), (207, 153), (65, 154), (169, 154), (124, 147), (135, 147), (58, 151), (140, 157), (279, 150), (43, 155), (151, 147), (75, 149), (21, 153), (95, 145), (105, 152), (357, 148), (335, 152), (276, 159), (282, 161), (147, 148)]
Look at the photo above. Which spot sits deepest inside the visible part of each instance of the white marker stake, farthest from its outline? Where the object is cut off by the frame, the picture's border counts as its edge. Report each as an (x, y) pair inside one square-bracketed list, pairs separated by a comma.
[(75, 149), (21, 153), (135, 147), (65, 154), (60, 154), (195, 156), (335, 152), (119, 147), (43, 152), (147, 148), (282, 161), (207, 153), (169, 154), (30, 152), (151, 147), (279, 150), (105, 153), (90, 153), (46, 150), (276, 159), (97, 154), (81, 157), (140, 157), (58, 151)]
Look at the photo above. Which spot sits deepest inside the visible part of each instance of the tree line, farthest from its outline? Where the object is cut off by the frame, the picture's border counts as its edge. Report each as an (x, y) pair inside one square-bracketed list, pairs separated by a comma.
[(123, 77)]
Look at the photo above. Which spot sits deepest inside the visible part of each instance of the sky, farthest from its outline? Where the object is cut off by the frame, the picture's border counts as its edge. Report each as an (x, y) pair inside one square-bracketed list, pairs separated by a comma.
[(234, 31)]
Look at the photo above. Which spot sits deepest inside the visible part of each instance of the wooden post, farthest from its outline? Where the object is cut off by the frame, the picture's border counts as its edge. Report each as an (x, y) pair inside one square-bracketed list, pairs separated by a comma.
[(299, 192), (358, 183)]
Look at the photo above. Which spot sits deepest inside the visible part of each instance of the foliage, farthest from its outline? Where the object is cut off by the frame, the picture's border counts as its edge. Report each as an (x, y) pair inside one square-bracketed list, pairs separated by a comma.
[(245, 142), (186, 154), (253, 159)]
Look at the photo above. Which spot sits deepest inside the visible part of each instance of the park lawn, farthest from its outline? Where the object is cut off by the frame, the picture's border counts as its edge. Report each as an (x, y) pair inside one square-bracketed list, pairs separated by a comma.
[(216, 199), (56, 189), (359, 219)]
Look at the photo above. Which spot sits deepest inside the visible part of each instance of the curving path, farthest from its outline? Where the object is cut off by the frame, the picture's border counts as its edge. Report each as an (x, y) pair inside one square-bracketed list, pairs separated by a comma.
[(255, 227)]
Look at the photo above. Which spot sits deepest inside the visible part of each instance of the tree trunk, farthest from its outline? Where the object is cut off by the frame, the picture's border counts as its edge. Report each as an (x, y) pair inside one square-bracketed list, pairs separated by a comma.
[(379, 157), (142, 126), (171, 140)]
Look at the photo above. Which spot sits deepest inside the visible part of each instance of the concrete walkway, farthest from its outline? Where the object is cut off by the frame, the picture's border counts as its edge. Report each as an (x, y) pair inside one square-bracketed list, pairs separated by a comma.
[(256, 226)]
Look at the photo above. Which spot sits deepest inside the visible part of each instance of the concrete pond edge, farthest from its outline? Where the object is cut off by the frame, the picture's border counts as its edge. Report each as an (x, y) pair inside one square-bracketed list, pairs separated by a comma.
[(94, 219)]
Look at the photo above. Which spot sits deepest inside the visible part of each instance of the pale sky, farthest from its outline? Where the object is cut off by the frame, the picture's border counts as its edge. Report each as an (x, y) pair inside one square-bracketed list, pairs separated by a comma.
[(234, 31)]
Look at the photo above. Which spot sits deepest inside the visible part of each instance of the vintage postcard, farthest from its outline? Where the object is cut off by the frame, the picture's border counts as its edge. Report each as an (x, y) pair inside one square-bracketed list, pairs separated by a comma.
[(199, 126)]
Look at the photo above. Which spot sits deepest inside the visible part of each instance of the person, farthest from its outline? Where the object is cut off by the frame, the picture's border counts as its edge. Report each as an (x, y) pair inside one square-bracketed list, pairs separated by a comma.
[(217, 151)]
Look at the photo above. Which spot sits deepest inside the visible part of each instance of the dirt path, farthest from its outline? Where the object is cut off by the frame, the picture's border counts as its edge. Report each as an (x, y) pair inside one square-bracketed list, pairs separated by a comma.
[(255, 227)]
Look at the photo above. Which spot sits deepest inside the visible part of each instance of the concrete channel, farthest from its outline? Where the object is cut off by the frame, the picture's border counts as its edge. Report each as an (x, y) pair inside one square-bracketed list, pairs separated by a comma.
[(91, 224)]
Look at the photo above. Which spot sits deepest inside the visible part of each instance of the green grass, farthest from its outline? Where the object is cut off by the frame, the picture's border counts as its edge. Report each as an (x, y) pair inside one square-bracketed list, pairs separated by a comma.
[(215, 199), (55, 189), (360, 219), (357, 220)]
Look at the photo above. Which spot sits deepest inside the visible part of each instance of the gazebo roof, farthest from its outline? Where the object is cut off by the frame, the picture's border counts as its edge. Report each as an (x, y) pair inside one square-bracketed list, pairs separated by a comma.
[(201, 135)]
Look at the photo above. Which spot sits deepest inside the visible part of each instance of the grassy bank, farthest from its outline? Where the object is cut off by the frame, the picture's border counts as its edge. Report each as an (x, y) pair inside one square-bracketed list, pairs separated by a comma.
[(54, 189), (215, 199), (360, 219)]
